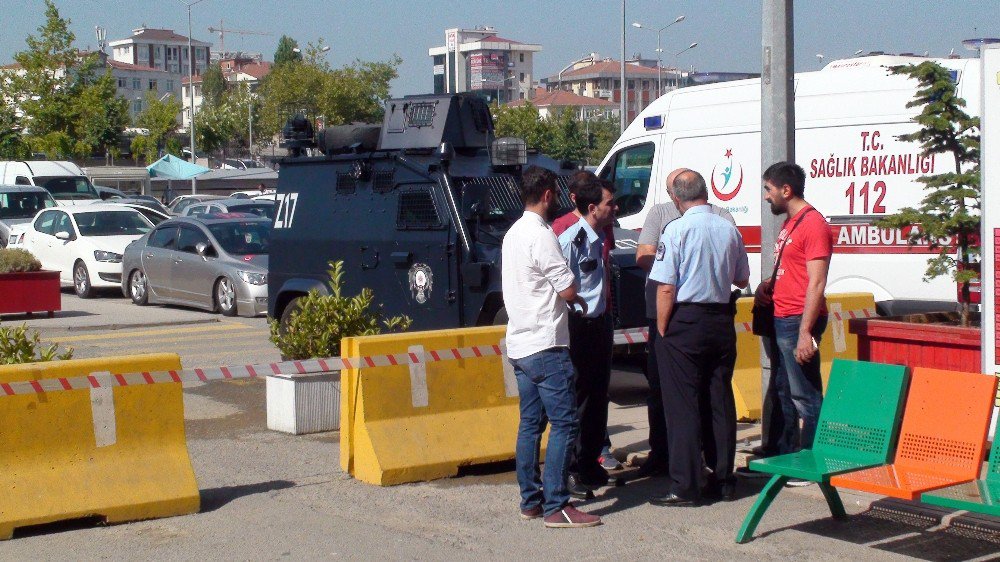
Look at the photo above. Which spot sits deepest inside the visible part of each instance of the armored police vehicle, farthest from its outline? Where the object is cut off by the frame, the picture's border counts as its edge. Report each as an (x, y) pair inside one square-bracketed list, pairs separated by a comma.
[(417, 210)]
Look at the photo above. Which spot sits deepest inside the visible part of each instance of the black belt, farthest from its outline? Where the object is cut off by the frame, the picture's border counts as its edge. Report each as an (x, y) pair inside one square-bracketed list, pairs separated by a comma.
[(707, 306), (590, 319)]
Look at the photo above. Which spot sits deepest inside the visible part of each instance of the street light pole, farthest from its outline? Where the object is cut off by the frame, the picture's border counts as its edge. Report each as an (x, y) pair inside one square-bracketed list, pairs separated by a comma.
[(677, 56), (659, 51), (194, 180)]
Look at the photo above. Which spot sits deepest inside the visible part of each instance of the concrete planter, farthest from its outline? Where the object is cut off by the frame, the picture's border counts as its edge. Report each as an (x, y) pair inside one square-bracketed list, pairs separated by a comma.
[(303, 403), (919, 340), (34, 291)]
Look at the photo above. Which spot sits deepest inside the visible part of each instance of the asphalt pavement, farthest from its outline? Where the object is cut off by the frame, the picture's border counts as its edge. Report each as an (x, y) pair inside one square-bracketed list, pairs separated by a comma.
[(267, 495)]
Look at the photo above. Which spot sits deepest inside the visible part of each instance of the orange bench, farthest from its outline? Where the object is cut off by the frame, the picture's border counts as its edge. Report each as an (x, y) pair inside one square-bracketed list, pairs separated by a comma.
[(942, 439)]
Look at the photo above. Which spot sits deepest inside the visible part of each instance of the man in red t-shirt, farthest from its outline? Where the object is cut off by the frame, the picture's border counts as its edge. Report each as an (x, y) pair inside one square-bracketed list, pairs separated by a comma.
[(804, 248)]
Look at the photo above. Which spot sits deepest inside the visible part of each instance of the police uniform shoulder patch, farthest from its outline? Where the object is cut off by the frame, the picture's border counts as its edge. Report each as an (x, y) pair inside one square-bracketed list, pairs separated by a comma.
[(661, 250)]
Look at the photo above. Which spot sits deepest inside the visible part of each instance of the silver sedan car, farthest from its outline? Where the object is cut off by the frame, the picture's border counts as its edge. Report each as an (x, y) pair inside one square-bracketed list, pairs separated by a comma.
[(214, 263)]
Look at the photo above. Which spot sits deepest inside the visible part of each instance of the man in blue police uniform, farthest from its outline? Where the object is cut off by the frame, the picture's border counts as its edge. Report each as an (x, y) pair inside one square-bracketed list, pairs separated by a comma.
[(590, 330), (699, 258)]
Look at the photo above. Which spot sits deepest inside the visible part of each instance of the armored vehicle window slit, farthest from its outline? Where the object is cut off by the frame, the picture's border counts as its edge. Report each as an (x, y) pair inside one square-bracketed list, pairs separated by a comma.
[(417, 211), (384, 181), (346, 183)]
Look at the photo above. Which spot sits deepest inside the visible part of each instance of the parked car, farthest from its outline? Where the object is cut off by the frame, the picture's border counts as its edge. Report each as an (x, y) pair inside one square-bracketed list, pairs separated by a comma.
[(19, 204), (85, 243), (259, 207), (241, 164), (179, 203), (213, 263), (64, 180), (109, 192), (154, 211)]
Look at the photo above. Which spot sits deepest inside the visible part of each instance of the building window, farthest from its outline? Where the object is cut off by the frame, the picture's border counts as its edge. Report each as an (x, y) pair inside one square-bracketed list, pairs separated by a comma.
[(618, 84), (136, 84), (122, 82), (522, 77), (170, 85), (631, 84), (521, 55), (137, 106), (152, 85), (522, 95), (645, 84)]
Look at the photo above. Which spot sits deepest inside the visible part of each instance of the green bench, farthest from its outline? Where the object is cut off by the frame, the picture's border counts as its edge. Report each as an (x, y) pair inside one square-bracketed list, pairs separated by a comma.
[(978, 496), (858, 427)]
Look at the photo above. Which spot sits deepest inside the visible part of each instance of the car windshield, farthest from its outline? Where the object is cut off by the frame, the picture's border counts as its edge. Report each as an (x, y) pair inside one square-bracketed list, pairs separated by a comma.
[(242, 238), (23, 205), (68, 187), (112, 223), (260, 209)]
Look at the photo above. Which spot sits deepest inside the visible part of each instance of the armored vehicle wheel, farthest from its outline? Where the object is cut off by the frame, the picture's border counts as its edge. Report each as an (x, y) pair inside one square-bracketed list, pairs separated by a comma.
[(286, 314)]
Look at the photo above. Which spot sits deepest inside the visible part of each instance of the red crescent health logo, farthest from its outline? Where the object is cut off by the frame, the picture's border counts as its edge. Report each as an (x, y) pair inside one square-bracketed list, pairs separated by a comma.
[(726, 196)]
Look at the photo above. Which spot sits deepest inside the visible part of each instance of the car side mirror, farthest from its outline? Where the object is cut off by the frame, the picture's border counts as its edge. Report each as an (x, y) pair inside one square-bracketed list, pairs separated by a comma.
[(63, 235), (204, 250)]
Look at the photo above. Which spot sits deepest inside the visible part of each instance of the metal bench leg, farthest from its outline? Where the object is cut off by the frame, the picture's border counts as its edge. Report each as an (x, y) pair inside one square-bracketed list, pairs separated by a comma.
[(833, 500), (764, 500)]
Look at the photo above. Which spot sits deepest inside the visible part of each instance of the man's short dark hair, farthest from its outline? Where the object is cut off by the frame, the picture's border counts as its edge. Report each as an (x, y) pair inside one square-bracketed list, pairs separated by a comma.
[(535, 181), (579, 179), (590, 191), (787, 173)]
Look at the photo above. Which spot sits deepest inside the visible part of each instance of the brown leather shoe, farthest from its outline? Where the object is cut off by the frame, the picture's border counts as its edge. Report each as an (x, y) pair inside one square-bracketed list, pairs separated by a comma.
[(571, 517), (532, 513)]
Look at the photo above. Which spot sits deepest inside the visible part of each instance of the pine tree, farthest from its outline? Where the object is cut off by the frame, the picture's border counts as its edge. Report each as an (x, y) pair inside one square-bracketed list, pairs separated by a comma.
[(948, 217), (285, 52)]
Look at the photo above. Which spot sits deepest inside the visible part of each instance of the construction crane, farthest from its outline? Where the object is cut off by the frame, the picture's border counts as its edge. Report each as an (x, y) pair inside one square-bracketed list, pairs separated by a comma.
[(222, 31)]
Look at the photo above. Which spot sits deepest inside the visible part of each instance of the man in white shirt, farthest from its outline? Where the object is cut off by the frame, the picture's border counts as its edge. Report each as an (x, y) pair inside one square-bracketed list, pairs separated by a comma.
[(537, 287)]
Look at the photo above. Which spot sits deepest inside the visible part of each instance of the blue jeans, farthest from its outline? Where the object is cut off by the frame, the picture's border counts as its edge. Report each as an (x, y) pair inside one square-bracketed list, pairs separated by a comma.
[(546, 386), (799, 387)]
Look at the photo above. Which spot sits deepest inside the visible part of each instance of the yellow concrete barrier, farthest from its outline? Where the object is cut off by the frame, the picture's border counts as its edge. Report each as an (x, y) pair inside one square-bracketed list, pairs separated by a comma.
[(410, 423), (837, 343), (116, 453)]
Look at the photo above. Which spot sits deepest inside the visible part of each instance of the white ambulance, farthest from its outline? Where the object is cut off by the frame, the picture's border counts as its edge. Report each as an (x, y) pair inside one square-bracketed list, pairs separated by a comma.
[(848, 117)]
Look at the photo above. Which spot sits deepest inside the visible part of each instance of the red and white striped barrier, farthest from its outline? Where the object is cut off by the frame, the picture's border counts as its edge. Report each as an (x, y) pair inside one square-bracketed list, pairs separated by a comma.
[(190, 376)]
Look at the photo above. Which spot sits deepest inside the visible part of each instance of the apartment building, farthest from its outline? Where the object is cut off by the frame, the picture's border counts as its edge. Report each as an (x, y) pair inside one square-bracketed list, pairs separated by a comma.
[(162, 49), (479, 60)]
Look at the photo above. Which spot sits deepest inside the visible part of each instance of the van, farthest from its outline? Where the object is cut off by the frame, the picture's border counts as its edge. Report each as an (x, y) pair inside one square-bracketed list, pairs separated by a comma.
[(848, 117), (64, 180)]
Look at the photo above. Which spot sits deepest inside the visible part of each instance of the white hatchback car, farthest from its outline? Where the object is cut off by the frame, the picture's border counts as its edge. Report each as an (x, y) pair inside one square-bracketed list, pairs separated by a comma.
[(85, 244)]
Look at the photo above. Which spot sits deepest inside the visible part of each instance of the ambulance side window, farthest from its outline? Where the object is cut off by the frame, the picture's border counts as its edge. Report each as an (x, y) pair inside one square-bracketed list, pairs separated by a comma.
[(630, 170)]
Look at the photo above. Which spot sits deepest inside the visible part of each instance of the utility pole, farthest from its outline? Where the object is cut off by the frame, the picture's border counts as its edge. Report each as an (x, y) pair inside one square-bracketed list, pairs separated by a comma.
[(777, 143), (623, 106)]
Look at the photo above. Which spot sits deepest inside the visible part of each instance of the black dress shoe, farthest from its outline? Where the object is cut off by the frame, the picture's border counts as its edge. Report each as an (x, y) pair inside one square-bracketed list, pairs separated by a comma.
[(671, 499), (650, 469), (724, 492), (577, 490)]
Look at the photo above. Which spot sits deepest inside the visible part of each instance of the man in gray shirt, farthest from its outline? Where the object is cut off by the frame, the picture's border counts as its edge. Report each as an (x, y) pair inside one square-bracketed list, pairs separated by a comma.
[(660, 215)]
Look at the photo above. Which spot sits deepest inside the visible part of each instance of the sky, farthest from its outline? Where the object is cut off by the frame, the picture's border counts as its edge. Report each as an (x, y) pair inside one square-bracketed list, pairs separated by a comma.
[(727, 31)]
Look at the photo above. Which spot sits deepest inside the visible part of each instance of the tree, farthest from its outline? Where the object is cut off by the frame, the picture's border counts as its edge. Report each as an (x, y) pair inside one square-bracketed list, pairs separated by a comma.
[(354, 93), (68, 100), (602, 134), (520, 121), (159, 118), (100, 114), (213, 85), (217, 124), (12, 146), (285, 52), (948, 216), (567, 142)]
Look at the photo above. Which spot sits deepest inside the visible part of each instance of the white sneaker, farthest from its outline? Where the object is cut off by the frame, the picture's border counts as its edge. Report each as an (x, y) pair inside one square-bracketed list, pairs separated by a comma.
[(798, 483)]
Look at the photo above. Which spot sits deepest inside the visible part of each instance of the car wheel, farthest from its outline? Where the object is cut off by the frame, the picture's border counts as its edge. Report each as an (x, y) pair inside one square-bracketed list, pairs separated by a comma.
[(138, 288), (225, 296), (286, 314), (81, 281)]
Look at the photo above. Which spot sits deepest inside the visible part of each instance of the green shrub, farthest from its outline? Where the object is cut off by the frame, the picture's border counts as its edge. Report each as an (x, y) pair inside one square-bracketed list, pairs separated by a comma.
[(17, 260), (17, 347), (319, 321)]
